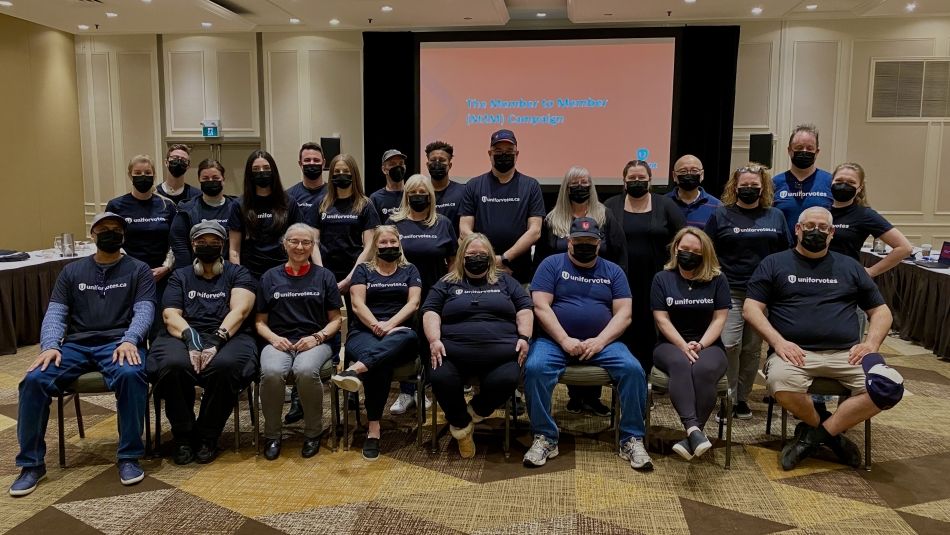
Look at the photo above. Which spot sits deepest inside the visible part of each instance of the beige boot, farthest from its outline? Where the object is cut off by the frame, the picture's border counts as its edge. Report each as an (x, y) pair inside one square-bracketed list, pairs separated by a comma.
[(464, 437)]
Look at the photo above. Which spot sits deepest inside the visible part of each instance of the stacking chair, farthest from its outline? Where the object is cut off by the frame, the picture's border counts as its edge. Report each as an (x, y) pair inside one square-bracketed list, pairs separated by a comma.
[(511, 419), (252, 392), (592, 375)]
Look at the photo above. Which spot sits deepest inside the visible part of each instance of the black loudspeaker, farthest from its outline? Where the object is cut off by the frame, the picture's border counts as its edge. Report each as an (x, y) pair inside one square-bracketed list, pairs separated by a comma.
[(760, 149), (331, 149)]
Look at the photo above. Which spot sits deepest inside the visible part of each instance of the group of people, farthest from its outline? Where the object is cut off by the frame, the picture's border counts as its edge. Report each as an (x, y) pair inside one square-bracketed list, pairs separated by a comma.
[(482, 284)]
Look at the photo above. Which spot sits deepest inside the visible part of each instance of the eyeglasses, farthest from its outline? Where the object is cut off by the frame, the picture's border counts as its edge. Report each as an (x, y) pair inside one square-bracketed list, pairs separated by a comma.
[(690, 171), (809, 225), (500, 152), (296, 242)]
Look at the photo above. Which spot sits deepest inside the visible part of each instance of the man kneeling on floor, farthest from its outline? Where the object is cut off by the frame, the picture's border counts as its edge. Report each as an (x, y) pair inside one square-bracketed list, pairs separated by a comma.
[(811, 296), (583, 303)]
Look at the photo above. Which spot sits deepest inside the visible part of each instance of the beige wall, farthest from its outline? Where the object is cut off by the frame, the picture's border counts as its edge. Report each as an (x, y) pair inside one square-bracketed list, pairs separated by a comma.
[(819, 72), (41, 175)]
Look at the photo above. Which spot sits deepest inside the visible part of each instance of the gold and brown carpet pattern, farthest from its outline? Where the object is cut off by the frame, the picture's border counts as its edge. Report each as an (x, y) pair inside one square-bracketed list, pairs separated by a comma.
[(587, 489)]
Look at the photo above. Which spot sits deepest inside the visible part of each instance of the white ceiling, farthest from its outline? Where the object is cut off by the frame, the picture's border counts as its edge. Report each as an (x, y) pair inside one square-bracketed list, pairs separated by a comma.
[(186, 16)]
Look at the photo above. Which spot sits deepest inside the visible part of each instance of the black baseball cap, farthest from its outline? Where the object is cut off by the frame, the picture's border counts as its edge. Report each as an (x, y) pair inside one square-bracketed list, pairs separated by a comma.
[(585, 227)]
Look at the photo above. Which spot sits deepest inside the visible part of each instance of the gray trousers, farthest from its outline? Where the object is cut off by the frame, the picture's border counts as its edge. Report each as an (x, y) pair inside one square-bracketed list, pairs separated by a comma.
[(276, 367), (743, 349)]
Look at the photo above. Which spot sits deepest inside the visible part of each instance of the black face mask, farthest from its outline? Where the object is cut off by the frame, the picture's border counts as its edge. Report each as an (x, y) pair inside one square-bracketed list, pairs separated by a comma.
[(748, 194), (143, 183), (503, 162), (396, 174), (687, 182), (578, 194), (262, 179), (477, 265), (177, 168), (342, 181), (803, 159), (212, 188), (637, 188), (109, 241), (584, 252), (419, 203), (688, 260), (814, 240), (843, 192), (438, 170), (312, 171), (207, 253), (389, 254)]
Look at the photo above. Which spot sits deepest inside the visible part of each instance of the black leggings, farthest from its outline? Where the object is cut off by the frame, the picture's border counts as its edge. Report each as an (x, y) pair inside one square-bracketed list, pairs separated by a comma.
[(692, 386), (494, 364)]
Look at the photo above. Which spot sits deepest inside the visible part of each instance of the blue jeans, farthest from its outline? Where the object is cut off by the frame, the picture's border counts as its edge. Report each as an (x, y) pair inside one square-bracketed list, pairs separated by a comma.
[(38, 388), (545, 365)]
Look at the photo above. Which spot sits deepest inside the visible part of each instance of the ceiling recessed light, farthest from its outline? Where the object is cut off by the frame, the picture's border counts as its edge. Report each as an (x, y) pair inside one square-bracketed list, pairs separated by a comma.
[(386, 9), (541, 15), (112, 15), (757, 10), (205, 24), (811, 7), (334, 22), (146, 1), (911, 6), (295, 21), (690, 1), (6, 3), (83, 27)]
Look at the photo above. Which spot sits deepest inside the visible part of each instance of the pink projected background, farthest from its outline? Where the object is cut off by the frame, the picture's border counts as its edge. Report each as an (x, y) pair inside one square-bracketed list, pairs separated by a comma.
[(596, 105)]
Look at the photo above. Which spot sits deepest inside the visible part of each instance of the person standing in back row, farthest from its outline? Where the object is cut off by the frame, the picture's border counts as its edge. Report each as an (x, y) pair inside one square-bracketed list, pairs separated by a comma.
[(692, 199), (310, 191), (174, 188), (506, 206), (448, 193), (387, 198), (803, 185)]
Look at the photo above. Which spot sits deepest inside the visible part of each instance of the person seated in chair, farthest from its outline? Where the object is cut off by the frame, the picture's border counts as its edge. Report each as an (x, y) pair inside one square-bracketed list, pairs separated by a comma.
[(583, 304), (811, 295), (98, 318), (690, 301), (207, 343), (385, 293)]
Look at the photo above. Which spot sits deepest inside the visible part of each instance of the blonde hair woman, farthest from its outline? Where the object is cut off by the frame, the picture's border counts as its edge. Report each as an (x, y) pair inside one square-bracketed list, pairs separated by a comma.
[(690, 300), (478, 321), (385, 294)]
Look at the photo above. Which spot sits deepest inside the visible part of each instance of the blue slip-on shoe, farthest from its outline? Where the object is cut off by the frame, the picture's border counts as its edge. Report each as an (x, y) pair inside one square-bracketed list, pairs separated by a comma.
[(29, 478), (130, 472)]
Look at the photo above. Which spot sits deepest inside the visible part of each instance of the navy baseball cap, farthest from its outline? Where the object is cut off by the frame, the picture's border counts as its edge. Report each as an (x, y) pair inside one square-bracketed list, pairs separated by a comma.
[(503, 136), (107, 215), (884, 384), (585, 227)]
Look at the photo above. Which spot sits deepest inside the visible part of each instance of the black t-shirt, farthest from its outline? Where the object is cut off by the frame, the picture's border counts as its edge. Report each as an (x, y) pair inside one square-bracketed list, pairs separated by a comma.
[(502, 211), (308, 200), (474, 314), (690, 304), (811, 302), (148, 223), (853, 225), (100, 298), (205, 302), (188, 193), (742, 238), (190, 213), (448, 201), (385, 295), (386, 202), (263, 250), (341, 234), (297, 306), (428, 248)]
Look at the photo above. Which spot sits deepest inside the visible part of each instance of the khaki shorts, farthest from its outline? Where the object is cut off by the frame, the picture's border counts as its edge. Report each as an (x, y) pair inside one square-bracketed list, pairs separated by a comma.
[(782, 376)]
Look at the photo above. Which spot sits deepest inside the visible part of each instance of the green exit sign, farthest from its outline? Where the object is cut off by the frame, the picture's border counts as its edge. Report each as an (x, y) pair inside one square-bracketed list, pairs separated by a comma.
[(210, 128)]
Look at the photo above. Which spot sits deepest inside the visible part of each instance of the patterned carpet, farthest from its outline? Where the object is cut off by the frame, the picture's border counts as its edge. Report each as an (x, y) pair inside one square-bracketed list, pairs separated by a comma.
[(588, 489)]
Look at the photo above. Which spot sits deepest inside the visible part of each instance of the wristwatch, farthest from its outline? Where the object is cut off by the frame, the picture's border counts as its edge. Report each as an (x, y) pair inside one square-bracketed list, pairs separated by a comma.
[(523, 337)]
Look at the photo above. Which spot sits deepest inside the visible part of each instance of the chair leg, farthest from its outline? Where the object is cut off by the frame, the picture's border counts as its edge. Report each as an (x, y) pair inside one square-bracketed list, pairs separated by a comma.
[(784, 425), (649, 417), (254, 404), (335, 415), (508, 413), (62, 431), (722, 407), (768, 416), (82, 429), (346, 422), (435, 428), (729, 417), (148, 424), (613, 401), (616, 410), (420, 409), (867, 444), (237, 425), (158, 424)]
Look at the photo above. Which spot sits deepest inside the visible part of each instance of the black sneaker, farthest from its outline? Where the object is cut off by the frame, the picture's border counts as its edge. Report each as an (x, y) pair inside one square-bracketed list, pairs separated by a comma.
[(371, 449), (295, 414), (575, 406), (846, 450), (207, 452), (742, 411), (800, 448), (348, 380), (698, 443), (184, 454), (595, 407)]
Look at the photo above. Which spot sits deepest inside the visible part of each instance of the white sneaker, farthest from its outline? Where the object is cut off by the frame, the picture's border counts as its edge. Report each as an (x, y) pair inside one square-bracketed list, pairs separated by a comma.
[(635, 451), (403, 403), (428, 403), (541, 450)]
